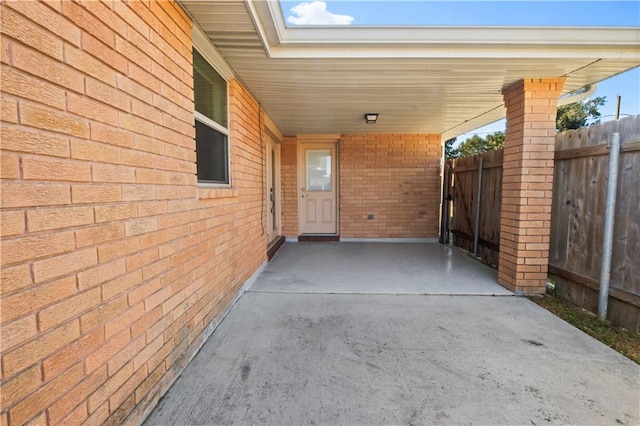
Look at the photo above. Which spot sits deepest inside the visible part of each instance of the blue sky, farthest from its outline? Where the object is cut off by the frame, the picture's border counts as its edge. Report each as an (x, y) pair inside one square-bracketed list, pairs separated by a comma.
[(519, 13), (480, 12)]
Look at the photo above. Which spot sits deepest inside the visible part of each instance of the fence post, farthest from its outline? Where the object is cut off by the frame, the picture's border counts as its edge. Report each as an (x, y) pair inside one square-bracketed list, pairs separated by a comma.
[(609, 219), (476, 231)]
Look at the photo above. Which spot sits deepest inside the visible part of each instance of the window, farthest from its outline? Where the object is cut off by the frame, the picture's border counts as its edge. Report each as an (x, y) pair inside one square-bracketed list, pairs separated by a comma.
[(212, 134)]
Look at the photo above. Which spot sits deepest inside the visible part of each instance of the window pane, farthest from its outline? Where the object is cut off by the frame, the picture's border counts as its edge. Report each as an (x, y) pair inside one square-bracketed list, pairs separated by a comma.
[(210, 90), (318, 170), (211, 152)]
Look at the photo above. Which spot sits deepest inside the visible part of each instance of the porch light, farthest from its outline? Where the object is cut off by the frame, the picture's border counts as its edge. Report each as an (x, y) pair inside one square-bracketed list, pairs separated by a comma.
[(371, 117)]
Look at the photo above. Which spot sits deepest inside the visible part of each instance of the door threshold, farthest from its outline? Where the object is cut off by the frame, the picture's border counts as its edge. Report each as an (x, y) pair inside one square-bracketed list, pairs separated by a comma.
[(274, 246), (318, 238)]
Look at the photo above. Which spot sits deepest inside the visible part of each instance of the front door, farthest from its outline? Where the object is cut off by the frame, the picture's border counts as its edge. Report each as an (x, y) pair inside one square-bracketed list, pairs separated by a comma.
[(317, 189), (273, 189)]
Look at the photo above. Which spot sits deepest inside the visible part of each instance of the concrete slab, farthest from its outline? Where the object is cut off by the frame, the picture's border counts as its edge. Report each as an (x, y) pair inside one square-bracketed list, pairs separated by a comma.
[(294, 359), (379, 268)]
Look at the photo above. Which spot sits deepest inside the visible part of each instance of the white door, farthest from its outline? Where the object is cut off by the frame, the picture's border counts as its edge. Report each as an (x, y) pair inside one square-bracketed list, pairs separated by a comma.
[(317, 189), (273, 189)]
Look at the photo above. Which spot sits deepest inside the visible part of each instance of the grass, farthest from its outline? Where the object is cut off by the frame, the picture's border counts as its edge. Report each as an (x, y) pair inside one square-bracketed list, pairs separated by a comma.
[(624, 341)]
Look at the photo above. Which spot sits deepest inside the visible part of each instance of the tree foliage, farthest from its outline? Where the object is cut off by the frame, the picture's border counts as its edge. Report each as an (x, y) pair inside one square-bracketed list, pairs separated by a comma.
[(477, 145), (450, 152), (576, 115)]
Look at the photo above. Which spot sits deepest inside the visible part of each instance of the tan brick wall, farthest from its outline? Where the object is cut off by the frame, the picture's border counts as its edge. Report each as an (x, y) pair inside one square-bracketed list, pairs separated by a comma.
[(527, 183), (394, 177), (113, 261), (289, 185)]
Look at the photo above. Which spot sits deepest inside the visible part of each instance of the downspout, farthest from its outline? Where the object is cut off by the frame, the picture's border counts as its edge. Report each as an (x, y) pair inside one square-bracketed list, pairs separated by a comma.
[(609, 219)]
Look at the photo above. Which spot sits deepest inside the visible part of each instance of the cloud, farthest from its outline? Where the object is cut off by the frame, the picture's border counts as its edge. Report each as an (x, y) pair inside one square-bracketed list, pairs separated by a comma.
[(316, 13)]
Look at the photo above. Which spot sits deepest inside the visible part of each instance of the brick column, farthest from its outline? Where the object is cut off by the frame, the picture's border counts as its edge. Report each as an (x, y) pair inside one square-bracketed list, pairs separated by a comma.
[(527, 183)]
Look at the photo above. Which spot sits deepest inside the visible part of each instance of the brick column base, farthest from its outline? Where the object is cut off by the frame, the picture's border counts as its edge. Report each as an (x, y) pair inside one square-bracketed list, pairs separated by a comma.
[(527, 183)]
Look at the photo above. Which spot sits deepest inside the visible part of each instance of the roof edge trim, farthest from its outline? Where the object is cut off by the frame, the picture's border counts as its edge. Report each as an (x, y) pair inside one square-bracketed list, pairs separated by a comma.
[(313, 41)]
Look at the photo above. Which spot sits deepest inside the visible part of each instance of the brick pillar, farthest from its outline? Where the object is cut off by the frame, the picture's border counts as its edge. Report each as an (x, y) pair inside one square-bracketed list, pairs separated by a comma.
[(527, 183)]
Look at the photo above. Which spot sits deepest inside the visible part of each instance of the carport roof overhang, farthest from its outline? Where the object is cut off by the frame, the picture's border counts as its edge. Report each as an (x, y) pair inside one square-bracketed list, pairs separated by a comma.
[(438, 80)]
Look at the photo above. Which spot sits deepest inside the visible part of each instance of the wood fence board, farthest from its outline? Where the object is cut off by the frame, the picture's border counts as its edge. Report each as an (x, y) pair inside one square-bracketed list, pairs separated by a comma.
[(619, 311), (626, 315), (575, 194), (490, 207), (560, 226), (593, 224), (626, 266), (594, 284), (464, 194)]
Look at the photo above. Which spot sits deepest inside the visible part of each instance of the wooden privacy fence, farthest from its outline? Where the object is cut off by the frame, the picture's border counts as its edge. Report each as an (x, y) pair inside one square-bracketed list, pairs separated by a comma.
[(577, 222), (577, 219), (476, 216)]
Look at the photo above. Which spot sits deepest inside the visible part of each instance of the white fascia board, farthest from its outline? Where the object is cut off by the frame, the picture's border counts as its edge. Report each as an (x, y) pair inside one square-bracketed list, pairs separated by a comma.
[(453, 51), (541, 43), (603, 36)]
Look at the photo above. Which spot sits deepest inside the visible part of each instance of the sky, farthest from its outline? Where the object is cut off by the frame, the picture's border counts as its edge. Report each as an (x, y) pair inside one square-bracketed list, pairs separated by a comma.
[(486, 13), (479, 12)]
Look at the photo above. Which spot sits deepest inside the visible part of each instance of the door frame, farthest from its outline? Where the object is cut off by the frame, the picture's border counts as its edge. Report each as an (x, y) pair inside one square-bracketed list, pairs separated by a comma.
[(305, 141), (272, 143)]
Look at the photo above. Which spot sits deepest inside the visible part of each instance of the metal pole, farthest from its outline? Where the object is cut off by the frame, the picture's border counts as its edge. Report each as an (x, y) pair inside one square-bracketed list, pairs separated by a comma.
[(609, 219), (618, 108), (476, 231)]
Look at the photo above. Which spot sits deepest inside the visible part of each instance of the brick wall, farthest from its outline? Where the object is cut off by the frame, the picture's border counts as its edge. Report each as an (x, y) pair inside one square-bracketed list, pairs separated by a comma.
[(113, 261), (289, 185), (527, 183), (394, 177)]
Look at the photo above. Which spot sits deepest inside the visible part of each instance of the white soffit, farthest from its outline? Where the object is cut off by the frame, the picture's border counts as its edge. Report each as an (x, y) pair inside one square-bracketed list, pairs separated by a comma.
[(444, 80)]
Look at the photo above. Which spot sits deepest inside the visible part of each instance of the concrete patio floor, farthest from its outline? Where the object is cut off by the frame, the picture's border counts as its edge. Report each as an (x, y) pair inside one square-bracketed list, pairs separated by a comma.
[(377, 268), (394, 356)]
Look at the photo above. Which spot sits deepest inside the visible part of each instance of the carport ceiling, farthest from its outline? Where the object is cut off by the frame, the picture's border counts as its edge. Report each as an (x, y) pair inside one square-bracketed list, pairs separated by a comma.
[(443, 80)]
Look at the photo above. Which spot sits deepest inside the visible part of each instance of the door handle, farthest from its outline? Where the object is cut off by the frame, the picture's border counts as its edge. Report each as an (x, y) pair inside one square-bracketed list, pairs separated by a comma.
[(304, 195)]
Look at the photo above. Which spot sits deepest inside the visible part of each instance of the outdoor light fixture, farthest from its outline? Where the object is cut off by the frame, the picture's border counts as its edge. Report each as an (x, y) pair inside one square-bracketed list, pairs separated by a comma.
[(371, 117)]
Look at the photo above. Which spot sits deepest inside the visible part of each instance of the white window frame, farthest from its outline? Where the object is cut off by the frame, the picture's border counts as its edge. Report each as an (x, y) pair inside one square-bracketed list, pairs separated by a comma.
[(202, 44)]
